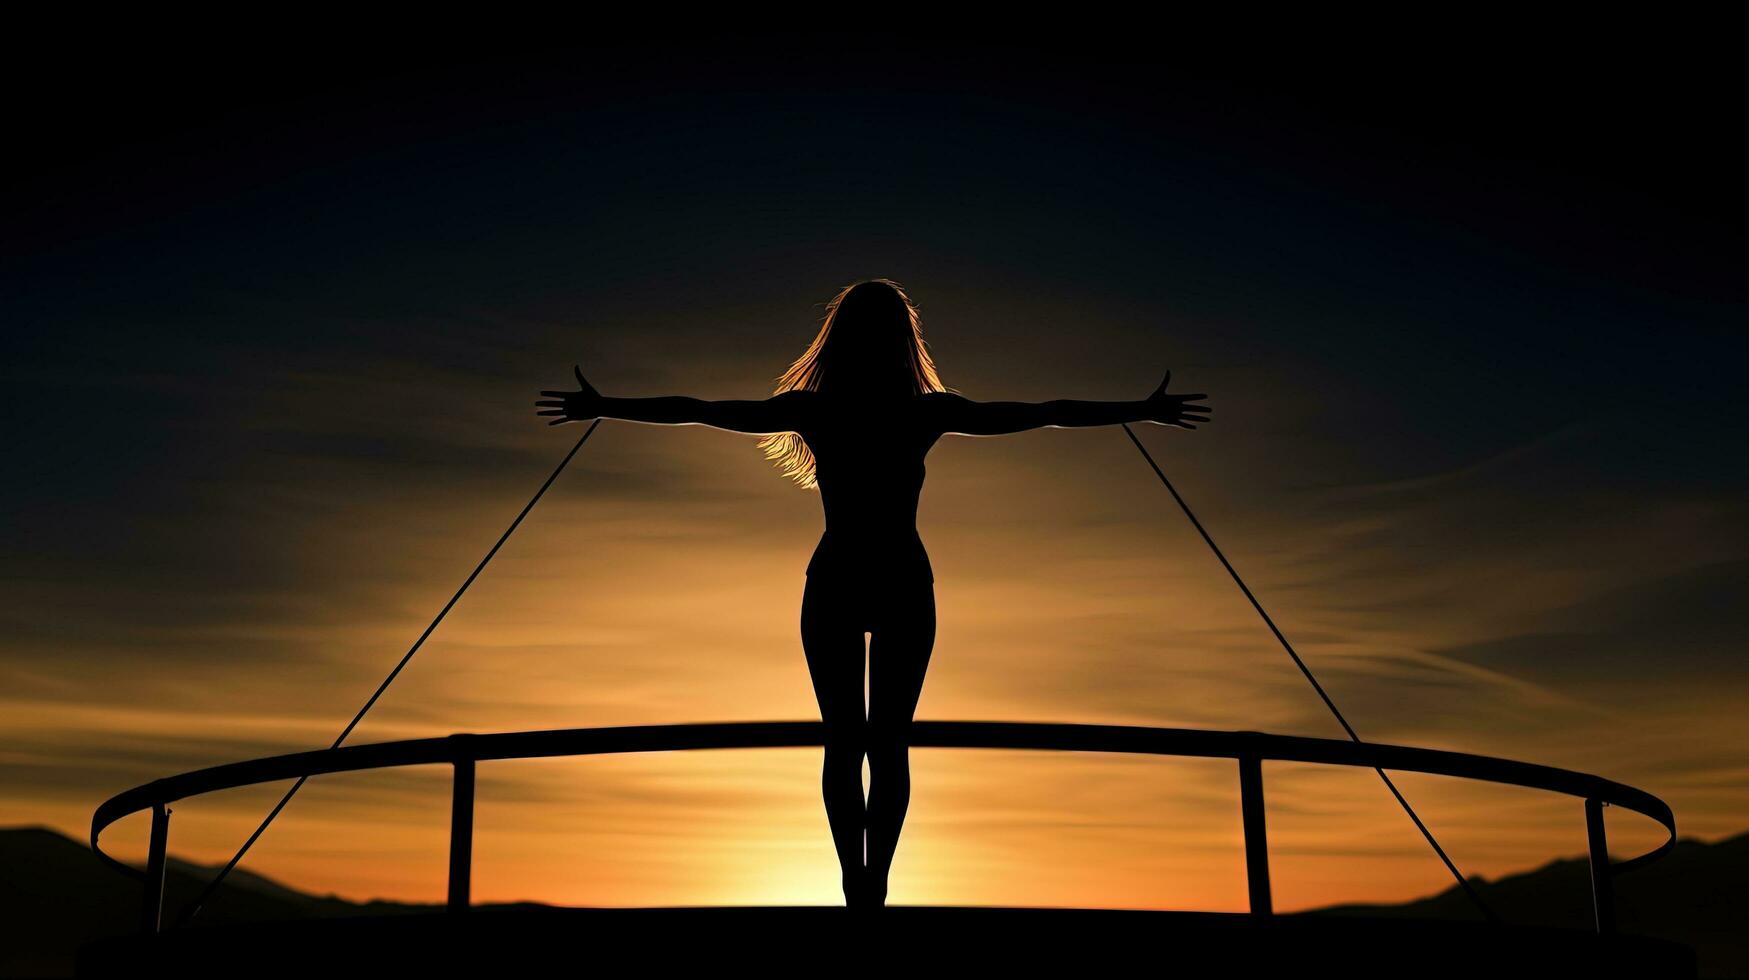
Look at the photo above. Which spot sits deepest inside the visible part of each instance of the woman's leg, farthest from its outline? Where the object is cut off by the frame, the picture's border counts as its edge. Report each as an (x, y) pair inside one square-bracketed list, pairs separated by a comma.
[(833, 643), (898, 657)]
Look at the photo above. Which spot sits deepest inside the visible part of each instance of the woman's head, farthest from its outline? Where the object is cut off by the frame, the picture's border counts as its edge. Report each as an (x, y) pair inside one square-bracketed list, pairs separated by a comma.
[(869, 346)]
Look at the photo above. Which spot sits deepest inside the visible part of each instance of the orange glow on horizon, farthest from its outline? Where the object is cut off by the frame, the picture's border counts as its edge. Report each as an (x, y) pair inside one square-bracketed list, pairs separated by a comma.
[(1071, 602)]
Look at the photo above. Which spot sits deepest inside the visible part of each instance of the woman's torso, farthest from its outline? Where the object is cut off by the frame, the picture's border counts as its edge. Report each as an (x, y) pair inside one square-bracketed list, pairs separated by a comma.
[(869, 463)]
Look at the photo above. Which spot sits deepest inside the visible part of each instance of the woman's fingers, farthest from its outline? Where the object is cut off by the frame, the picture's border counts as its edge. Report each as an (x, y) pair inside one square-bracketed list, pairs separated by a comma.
[(559, 404)]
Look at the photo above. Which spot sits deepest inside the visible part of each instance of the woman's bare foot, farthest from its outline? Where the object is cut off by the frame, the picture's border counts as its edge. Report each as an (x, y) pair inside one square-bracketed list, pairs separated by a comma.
[(856, 894), (875, 887)]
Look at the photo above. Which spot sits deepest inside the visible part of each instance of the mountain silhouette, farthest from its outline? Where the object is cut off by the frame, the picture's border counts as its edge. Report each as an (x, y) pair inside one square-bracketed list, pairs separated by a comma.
[(56, 896), (1694, 895)]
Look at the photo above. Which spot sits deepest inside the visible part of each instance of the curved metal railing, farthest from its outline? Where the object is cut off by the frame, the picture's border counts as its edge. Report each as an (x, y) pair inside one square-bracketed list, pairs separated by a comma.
[(1248, 748)]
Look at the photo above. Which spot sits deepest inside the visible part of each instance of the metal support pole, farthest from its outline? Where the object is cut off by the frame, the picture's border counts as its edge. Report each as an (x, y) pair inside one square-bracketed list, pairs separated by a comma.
[(152, 904), (461, 836), (1256, 840), (1602, 884)]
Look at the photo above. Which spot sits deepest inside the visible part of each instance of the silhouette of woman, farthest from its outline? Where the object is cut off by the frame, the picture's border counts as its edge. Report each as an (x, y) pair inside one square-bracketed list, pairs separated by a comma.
[(854, 417)]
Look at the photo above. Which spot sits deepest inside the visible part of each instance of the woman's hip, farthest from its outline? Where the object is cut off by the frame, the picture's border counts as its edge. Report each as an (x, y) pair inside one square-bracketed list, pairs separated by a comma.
[(868, 602)]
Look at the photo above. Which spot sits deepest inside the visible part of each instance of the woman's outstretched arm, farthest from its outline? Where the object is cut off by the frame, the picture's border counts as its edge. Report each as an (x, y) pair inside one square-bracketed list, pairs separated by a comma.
[(961, 415), (779, 413)]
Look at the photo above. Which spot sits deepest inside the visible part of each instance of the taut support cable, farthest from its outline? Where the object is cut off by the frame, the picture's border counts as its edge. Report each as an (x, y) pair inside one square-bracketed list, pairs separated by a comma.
[(193, 908), (1285, 645)]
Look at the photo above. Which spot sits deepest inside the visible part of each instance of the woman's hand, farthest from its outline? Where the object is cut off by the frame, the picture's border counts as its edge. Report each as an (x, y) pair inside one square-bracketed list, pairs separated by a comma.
[(571, 406), (1172, 410)]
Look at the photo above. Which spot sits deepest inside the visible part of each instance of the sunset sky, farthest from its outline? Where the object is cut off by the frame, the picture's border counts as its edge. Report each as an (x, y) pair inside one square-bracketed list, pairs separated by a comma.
[(275, 323)]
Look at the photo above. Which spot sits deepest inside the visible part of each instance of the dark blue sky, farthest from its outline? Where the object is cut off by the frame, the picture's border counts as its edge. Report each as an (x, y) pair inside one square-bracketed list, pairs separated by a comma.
[(1566, 231)]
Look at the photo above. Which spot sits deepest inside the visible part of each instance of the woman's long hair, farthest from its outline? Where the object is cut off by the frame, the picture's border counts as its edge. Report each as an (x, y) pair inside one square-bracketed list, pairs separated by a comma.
[(849, 354)]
